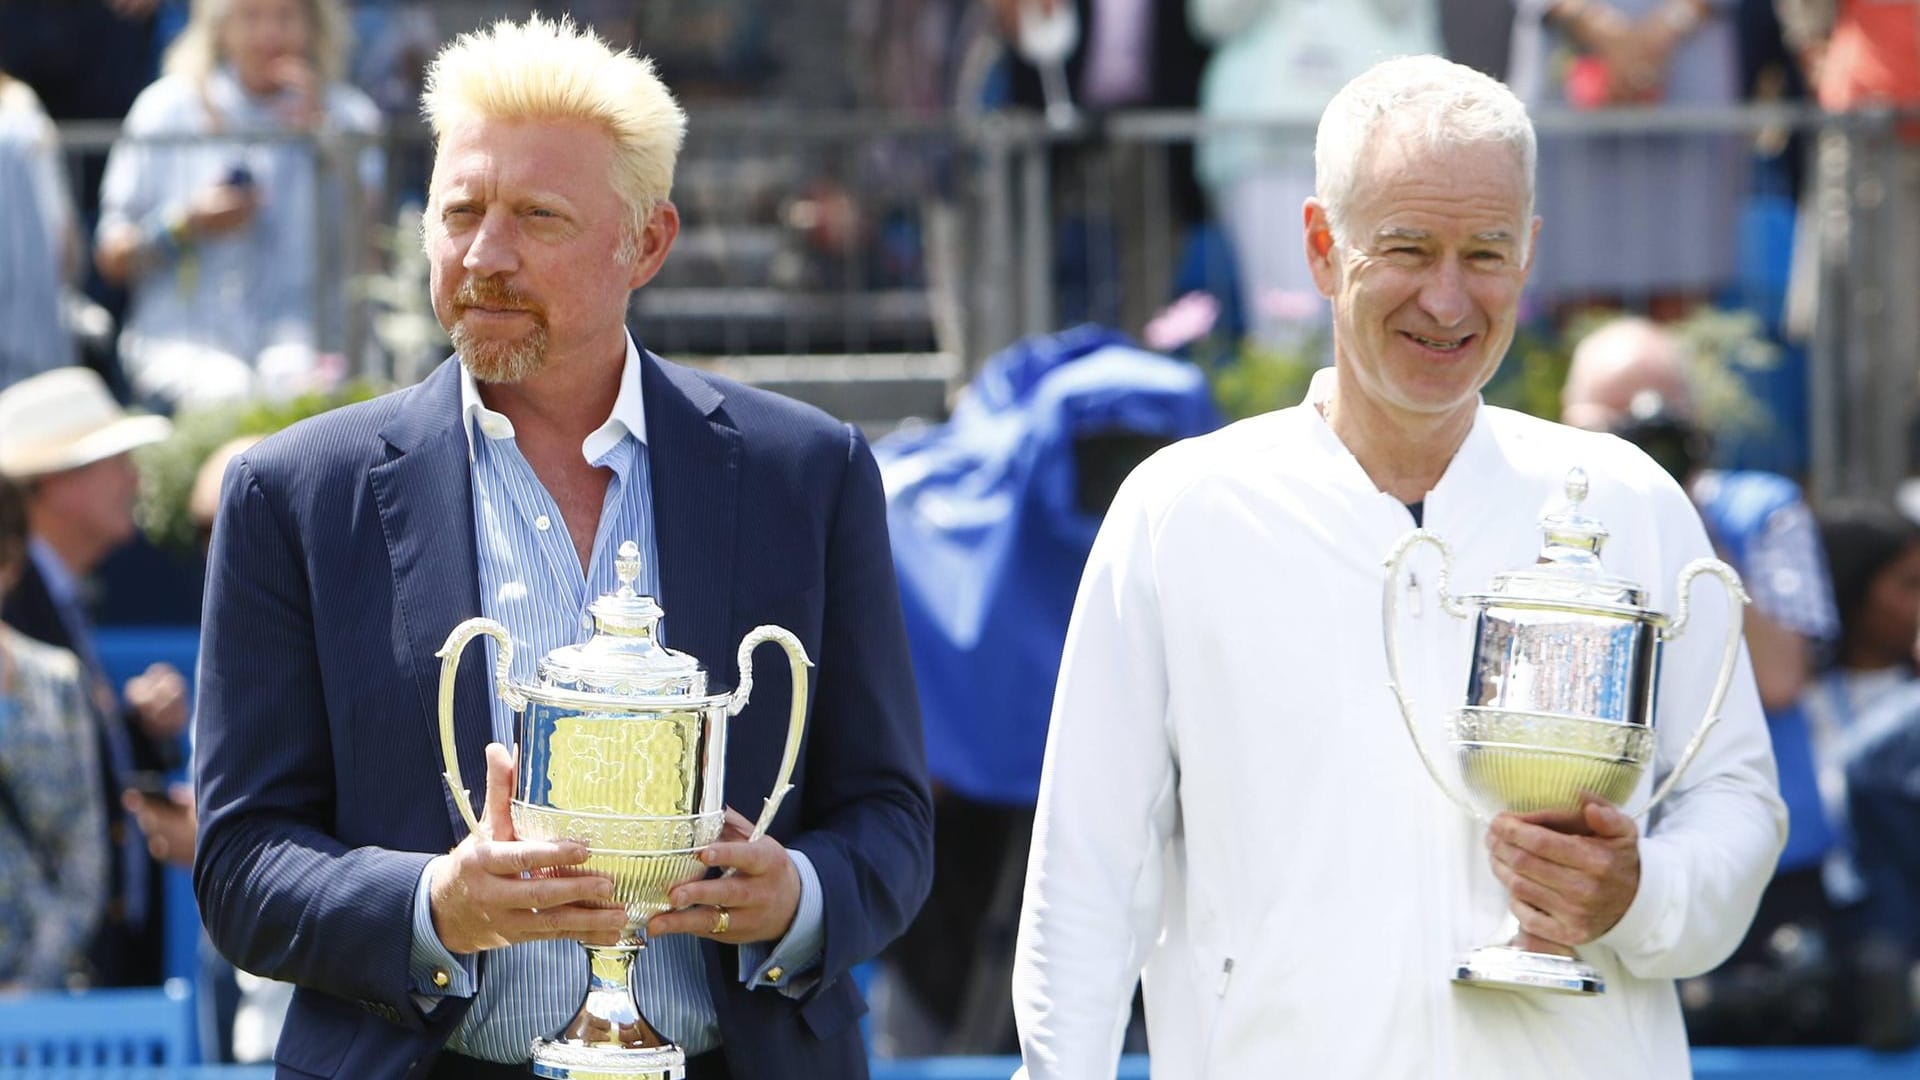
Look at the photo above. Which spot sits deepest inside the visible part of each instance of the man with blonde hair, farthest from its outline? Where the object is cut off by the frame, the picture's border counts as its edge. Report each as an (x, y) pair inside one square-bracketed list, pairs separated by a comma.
[(346, 549), (1230, 806)]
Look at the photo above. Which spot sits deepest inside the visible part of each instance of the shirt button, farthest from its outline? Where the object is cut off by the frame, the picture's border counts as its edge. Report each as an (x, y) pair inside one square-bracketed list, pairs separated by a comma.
[(441, 979), (543, 523), (493, 427), (774, 974)]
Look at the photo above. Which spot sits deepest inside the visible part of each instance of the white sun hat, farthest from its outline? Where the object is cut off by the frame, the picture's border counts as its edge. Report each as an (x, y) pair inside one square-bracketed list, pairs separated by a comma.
[(65, 418)]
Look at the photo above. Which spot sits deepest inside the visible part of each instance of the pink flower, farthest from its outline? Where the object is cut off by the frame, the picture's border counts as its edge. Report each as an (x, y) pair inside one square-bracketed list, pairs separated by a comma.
[(1182, 322)]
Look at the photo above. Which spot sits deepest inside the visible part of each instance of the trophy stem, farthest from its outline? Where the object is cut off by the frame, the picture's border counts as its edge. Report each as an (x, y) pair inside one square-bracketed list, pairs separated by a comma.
[(608, 1037)]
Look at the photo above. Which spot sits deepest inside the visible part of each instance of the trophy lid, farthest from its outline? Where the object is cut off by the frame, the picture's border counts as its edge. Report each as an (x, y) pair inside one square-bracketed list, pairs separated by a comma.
[(624, 657), (1569, 568)]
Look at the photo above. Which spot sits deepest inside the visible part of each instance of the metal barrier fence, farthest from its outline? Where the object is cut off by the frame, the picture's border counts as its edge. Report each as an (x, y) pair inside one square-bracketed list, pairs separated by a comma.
[(860, 235)]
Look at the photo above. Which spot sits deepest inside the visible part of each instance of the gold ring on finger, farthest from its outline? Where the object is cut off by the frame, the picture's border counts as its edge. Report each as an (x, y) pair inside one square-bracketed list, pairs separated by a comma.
[(722, 921)]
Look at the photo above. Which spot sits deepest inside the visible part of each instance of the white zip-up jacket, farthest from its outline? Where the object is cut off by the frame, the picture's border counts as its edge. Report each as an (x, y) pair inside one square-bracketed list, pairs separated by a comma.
[(1231, 803)]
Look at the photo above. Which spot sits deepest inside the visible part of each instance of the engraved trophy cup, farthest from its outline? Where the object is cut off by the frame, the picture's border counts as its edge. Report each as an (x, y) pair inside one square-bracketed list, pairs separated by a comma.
[(620, 746), (1560, 700)]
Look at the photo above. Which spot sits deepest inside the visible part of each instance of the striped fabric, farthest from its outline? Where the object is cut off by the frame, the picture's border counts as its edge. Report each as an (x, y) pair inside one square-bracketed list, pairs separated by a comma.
[(531, 581)]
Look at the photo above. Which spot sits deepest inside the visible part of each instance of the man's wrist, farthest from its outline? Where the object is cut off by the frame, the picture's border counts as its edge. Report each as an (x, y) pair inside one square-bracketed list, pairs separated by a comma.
[(166, 235)]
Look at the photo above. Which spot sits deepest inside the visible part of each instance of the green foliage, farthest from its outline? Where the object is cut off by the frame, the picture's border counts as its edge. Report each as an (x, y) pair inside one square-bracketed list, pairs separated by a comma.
[(168, 469), (1254, 379)]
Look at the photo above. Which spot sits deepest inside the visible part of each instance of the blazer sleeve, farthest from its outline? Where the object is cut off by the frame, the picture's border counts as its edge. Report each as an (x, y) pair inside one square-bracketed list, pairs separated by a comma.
[(867, 817), (280, 895)]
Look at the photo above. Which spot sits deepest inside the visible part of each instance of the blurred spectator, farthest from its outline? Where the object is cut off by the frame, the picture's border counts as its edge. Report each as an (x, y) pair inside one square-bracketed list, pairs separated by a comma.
[(1127, 54), (1861, 55), (226, 225), (397, 39), (1637, 218), (1631, 377), (66, 441), (1282, 61), (1883, 811), (53, 854), (1478, 33), (38, 249), (1874, 553), (87, 59)]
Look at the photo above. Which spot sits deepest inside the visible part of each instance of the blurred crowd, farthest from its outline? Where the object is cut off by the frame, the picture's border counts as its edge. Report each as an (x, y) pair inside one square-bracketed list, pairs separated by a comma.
[(203, 261)]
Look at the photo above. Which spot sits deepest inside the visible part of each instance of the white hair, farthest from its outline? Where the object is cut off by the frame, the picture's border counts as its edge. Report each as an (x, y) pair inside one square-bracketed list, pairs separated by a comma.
[(547, 70), (1415, 97), (196, 52)]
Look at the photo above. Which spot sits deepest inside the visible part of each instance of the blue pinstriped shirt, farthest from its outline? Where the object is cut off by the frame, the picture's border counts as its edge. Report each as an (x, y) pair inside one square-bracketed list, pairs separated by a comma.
[(531, 581)]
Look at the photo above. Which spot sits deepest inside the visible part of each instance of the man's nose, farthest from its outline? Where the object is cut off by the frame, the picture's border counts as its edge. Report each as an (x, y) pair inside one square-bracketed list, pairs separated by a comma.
[(1444, 297), (492, 250)]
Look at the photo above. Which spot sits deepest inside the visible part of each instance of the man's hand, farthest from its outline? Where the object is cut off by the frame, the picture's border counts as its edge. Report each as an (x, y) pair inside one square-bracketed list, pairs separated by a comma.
[(168, 823), (1571, 876), (220, 208), (760, 892), (300, 86), (158, 698), (494, 890)]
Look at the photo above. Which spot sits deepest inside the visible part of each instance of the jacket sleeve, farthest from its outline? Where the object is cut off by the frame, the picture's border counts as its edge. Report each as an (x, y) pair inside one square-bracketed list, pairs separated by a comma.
[(867, 816), (1708, 851), (280, 895), (1108, 791)]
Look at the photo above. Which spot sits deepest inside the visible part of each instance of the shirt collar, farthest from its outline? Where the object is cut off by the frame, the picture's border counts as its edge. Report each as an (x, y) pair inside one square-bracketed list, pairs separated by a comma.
[(59, 580), (629, 416)]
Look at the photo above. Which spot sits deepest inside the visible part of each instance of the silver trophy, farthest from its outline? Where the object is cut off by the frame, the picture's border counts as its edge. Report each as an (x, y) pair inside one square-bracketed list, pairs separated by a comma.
[(621, 747), (1560, 699)]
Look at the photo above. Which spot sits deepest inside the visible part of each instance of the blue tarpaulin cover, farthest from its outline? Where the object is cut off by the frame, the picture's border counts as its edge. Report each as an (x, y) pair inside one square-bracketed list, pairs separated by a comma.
[(990, 536)]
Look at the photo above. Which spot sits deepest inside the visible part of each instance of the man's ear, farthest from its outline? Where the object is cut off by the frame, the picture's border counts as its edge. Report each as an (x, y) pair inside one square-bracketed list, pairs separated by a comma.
[(1320, 247), (655, 240)]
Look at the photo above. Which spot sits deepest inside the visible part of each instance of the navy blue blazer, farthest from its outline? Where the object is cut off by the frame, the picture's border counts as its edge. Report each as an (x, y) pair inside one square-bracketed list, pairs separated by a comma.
[(343, 556)]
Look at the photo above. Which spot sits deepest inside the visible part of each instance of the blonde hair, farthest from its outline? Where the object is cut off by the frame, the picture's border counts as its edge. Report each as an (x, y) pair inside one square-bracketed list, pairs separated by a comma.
[(547, 70), (196, 52), (1421, 98)]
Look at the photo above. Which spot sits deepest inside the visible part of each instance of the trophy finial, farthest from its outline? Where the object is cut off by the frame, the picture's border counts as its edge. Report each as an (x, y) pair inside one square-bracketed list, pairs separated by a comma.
[(1573, 538), (626, 567), (1576, 486)]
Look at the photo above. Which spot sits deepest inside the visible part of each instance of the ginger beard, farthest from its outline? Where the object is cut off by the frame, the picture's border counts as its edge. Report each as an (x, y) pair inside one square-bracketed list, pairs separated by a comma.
[(493, 359)]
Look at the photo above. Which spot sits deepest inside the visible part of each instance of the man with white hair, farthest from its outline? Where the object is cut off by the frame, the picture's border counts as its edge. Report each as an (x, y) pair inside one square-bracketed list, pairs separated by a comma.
[(346, 548), (1230, 806)]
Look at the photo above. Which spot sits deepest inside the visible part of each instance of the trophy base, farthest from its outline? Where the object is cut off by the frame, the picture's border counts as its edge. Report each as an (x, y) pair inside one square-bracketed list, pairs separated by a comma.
[(1503, 967), (558, 1060)]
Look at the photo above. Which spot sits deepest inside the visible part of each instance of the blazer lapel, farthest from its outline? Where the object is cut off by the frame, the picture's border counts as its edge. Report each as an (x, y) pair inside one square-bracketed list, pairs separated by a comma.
[(695, 459), (425, 499)]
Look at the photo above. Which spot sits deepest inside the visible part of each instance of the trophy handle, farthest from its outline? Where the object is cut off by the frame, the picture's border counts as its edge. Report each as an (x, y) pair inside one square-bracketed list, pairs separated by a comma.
[(796, 719), (1389, 625), (449, 655), (1737, 597)]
